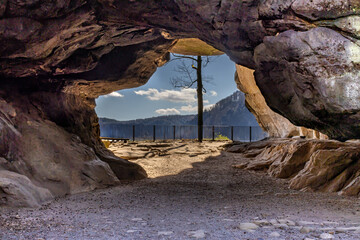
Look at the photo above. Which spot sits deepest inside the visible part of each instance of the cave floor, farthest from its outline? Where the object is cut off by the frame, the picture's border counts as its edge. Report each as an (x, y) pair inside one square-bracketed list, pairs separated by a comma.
[(193, 192)]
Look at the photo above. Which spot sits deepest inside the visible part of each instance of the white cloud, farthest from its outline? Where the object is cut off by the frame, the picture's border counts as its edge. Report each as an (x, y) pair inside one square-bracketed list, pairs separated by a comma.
[(114, 94), (167, 111), (206, 101), (187, 95), (188, 108), (213, 93), (209, 106)]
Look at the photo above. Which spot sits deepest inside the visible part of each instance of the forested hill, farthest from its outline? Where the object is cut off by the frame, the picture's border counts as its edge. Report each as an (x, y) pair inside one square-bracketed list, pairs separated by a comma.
[(228, 111)]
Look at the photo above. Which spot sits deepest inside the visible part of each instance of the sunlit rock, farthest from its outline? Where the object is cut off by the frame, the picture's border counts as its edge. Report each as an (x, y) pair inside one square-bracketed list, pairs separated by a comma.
[(308, 88), (195, 47), (325, 9), (273, 123), (310, 165)]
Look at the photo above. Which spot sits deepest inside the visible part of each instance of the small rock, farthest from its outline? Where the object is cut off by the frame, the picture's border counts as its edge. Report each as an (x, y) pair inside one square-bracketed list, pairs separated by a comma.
[(136, 219), (197, 234), (131, 231), (274, 234), (273, 221), (302, 223), (282, 221), (326, 236), (165, 233), (248, 226), (287, 222), (309, 239), (347, 229), (281, 226), (305, 229), (330, 223), (261, 222), (291, 223)]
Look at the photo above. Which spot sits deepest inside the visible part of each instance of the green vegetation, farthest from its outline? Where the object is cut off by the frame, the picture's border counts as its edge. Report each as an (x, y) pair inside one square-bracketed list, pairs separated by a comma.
[(221, 138)]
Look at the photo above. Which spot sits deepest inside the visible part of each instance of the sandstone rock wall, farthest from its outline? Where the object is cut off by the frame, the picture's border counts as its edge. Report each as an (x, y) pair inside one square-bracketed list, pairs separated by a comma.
[(56, 57), (305, 53), (274, 124), (310, 165), (40, 160)]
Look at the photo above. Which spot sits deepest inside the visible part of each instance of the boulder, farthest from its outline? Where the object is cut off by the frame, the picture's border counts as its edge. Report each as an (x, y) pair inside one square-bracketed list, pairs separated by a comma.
[(316, 165), (17, 190), (310, 90), (274, 124)]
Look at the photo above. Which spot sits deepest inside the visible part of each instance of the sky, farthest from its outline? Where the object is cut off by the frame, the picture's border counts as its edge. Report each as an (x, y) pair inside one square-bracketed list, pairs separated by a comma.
[(159, 97)]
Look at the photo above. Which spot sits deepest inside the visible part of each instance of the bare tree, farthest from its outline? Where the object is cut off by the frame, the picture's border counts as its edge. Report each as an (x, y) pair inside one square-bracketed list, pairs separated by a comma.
[(187, 79)]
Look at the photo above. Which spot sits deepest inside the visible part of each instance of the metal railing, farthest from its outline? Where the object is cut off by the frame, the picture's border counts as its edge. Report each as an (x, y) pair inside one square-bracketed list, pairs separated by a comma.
[(165, 132)]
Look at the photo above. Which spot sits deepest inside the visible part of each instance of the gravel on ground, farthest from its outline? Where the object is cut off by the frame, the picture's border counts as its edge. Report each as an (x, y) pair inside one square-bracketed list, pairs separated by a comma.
[(192, 192)]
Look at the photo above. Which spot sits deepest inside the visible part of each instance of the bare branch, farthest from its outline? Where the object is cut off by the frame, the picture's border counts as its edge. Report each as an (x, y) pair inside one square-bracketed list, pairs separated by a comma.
[(192, 84), (206, 62), (182, 56)]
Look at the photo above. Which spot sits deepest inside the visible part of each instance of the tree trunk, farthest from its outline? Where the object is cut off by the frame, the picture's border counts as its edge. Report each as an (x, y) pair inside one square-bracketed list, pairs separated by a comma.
[(200, 98)]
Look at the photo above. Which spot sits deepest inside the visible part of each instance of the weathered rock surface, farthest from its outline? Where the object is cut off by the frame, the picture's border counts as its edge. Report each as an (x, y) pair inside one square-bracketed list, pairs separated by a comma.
[(194, 47), (308, 88), (93, 48), (325, 9), (273, 123), (17, 190), (56, 57), (44, 160), (313, 165)]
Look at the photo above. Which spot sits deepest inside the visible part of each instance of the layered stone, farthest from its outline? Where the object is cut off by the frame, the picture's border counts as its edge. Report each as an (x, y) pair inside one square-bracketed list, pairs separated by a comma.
[(56, 57), (310, 165), (274, 124)]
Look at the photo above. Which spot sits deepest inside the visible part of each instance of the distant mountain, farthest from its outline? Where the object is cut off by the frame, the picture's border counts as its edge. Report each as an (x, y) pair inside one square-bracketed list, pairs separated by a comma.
[(161, 120), (229, 111)]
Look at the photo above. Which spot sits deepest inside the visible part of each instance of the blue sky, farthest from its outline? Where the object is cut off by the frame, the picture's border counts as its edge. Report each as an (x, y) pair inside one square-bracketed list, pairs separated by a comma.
[(159, 97)]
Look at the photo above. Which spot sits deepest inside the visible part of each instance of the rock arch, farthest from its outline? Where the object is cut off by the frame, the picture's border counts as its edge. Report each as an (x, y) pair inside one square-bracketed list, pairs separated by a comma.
[(57, 56)]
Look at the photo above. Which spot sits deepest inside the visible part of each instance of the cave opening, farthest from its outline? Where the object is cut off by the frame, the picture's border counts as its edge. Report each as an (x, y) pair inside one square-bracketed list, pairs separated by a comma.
[(58, 56), (158, 110)]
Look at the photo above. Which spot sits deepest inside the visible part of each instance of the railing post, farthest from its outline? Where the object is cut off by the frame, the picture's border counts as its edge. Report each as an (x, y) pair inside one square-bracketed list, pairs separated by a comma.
[(133, 132), (250, 133), (213, 133), (232, 133), (174, 128), (154, 137)]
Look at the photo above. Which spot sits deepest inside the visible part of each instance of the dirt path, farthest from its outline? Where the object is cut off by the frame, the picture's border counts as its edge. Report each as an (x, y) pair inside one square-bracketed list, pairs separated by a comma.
[(190, 195)]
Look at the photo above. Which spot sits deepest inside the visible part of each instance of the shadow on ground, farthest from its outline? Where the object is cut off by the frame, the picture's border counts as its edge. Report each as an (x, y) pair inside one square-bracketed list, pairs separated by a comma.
[(209, 200)]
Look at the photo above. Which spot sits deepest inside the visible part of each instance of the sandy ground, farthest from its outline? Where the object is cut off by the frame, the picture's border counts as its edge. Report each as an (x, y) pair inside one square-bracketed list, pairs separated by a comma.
[(193, 192)]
